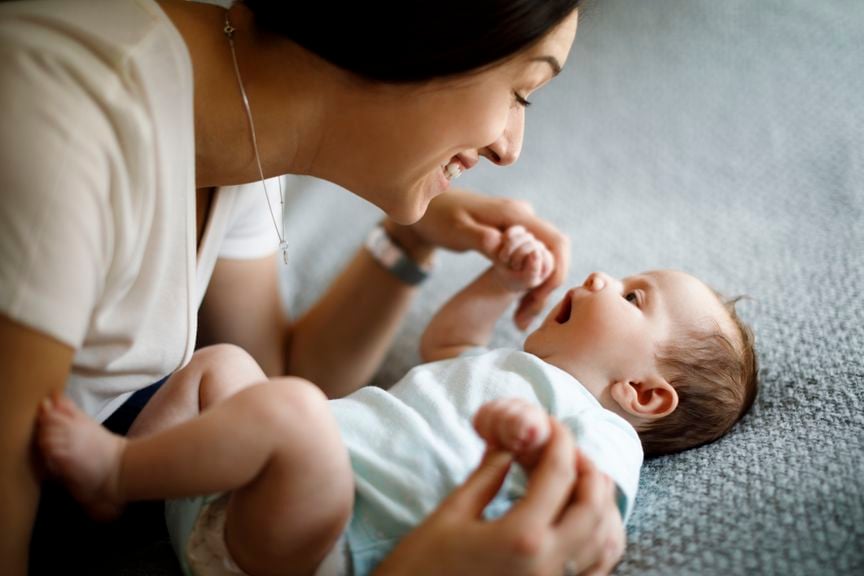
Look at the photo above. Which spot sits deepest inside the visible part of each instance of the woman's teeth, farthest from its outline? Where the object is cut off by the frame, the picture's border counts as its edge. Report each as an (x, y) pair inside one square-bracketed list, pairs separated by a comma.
[(453, 170)]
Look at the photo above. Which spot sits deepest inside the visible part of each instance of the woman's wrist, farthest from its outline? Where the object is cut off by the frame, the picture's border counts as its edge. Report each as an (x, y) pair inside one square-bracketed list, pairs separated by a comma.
[(420, 251), (401, 252)]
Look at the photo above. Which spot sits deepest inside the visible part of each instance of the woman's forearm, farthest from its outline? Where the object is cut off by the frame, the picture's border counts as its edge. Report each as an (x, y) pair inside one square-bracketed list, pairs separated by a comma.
[(32, 365), (19, 510), (19, 495), (341, 341)]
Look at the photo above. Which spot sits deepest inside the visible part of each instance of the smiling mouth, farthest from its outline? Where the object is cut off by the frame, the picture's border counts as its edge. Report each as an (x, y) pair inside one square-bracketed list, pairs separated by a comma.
[(453, 170), (565, 310)]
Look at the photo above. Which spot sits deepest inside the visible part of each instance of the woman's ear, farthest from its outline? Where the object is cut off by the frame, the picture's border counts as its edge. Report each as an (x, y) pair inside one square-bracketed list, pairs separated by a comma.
[(650, 399)]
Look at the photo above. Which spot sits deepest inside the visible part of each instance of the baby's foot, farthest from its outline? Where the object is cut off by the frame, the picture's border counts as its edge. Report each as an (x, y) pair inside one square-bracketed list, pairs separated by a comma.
[(524, 262), (83, 454), (515, 425)]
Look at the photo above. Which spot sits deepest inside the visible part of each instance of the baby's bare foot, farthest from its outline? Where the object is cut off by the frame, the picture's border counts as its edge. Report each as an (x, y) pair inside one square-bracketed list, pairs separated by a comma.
[(83, 455), (514, 425)]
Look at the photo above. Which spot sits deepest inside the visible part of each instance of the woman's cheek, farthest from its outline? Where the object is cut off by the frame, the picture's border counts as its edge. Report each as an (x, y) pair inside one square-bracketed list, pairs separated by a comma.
[(484, 122)]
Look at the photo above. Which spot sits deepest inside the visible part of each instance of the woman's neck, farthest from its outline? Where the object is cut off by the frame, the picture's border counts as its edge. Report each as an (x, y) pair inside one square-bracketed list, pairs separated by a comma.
[(223, 143)]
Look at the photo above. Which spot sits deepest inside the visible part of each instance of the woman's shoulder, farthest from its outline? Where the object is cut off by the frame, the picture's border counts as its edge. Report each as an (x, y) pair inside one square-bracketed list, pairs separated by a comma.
[(101, 26), (121, 59), (86, 93)]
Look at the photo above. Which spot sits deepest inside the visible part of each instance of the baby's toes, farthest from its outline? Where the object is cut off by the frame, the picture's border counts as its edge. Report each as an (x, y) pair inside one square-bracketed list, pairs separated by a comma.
[(485, 421), (522, 429), (515, 434), (63, 404), (53, 437), (512, 424), (535, 428), (49, 420)]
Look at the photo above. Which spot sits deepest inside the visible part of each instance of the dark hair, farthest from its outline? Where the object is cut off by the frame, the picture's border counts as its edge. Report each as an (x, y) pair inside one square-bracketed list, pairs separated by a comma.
[(402, 41), (716, 382)]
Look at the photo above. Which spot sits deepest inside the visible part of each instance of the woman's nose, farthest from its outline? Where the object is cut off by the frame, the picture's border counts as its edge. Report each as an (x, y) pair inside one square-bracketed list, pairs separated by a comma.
[(506, 149)]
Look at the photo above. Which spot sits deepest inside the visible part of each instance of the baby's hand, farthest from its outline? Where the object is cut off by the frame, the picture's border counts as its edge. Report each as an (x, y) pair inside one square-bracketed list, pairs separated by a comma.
[(514, 425), (523, 261)]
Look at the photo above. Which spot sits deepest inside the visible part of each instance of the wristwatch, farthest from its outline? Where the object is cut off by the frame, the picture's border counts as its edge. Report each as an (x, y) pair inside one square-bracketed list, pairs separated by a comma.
[(393, 258)]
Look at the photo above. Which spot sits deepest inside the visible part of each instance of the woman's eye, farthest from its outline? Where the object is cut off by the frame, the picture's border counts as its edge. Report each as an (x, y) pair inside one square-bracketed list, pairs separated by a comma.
[(520, 100), (632, 297)]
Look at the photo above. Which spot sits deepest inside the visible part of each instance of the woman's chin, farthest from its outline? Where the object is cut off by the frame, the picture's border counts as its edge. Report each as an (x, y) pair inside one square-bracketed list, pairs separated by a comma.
[(410, 214), (417, 201), (406, 218)]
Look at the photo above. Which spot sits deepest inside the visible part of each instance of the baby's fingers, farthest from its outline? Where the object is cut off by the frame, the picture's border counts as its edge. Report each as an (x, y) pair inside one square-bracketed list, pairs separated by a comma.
[(547, 263), (520, 258), (534, 269), (514, 238)]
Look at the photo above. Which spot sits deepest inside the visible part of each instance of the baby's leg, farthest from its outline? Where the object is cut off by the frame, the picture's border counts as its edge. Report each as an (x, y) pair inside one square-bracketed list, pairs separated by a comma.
[(514, 425), (213, 374), (275, 445), (294, 514)]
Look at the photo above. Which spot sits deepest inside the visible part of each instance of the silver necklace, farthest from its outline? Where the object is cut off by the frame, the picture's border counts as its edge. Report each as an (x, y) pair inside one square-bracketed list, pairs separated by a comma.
[(283, 244)]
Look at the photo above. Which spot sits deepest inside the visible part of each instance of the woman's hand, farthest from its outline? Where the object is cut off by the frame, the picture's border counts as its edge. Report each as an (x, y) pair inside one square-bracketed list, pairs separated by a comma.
[(557, 528), (459, 220)]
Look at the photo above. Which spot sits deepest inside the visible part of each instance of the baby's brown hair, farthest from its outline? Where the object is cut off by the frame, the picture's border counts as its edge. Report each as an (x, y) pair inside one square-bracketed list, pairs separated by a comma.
[(716, 382)]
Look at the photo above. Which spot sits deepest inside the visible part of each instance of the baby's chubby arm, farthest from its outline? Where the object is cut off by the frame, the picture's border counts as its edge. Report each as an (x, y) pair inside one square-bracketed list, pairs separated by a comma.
[(468, 318)]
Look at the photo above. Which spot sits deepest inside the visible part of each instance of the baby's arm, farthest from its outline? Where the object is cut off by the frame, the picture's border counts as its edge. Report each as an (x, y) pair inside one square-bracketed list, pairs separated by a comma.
[(467, 320)]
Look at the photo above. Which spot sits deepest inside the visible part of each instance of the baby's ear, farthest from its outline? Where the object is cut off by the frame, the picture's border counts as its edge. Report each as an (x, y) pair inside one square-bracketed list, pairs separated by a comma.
[(648, 398)]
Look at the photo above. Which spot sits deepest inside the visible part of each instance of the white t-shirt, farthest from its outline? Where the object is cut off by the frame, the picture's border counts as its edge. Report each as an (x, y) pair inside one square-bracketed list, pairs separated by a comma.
[(97, 178)]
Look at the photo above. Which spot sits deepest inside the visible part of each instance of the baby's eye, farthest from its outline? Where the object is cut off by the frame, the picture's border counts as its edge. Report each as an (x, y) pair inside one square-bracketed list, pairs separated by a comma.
[(632, 297)]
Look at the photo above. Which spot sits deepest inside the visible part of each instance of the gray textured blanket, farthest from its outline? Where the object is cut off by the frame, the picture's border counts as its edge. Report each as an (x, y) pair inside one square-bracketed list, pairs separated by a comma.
[(726, 139)]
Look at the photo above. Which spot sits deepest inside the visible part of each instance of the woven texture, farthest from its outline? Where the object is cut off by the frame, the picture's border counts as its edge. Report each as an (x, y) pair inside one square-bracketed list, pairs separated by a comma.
[(725, 139)]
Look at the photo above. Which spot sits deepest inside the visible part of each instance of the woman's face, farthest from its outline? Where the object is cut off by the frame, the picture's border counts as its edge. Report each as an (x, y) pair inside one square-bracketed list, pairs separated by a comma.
[(400, 140)]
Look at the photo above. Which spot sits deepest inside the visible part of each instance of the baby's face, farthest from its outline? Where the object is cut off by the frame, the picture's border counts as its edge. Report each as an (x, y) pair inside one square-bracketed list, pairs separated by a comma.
[(610, 329)]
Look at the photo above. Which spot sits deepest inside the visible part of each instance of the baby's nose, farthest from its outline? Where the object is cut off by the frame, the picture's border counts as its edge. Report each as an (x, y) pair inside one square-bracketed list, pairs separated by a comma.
[(595, 282)]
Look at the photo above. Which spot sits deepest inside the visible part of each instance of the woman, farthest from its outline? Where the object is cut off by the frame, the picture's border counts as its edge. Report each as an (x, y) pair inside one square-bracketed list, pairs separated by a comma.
[(115, 111)]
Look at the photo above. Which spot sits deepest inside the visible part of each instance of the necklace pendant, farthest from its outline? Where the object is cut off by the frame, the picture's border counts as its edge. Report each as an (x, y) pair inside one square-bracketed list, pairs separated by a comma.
[(283, 246), (228, 30)]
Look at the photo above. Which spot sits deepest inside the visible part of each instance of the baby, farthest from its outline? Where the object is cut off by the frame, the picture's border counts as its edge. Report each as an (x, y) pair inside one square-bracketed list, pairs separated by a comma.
[(654, 362)]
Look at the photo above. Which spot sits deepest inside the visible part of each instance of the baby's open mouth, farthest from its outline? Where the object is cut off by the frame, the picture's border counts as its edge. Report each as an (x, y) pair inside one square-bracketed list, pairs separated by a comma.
[(564, 311)]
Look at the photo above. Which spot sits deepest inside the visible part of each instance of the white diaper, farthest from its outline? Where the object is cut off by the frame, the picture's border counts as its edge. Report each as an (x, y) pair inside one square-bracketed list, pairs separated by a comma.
[(206, 550), (207, 553)]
